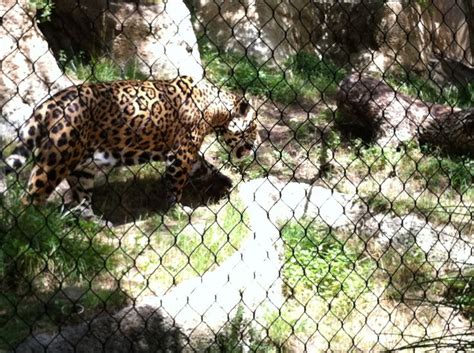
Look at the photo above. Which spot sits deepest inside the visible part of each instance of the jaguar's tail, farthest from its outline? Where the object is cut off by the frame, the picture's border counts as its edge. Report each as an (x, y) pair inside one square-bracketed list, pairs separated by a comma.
[(17, 159), (28, 139)]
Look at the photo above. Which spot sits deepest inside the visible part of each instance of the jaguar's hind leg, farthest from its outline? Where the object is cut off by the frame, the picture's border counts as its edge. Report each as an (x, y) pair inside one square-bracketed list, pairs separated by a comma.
[(78, 198), (46, 175), (54, 157), (43, 181), (81, 182)]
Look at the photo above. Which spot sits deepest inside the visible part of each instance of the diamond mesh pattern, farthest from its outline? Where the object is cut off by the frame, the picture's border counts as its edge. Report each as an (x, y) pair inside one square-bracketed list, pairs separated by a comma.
[(349, 227)]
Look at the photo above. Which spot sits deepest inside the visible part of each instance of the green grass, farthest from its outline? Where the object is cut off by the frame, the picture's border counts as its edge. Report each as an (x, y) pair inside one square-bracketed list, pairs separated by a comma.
[(43, 250), (328, 277), (456, 292), (168, 249), (99, 69), (429, 91), (304, 132), (403, 180), (405, 275), (408, 180), (459, 291), (274, 332), (237, 335), (334, 280), (40, 241), (302, 78), (317, 261)]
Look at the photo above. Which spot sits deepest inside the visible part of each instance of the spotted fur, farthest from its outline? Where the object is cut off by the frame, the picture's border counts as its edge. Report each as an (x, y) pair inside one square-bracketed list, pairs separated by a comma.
[(128, 122)]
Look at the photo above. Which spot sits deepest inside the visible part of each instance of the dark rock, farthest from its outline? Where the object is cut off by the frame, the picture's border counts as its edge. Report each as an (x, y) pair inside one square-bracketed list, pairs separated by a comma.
[(140, 329), (374, 111)]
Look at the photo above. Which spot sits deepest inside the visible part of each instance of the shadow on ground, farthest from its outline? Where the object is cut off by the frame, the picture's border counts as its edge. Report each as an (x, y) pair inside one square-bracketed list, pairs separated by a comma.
[(127, 201)]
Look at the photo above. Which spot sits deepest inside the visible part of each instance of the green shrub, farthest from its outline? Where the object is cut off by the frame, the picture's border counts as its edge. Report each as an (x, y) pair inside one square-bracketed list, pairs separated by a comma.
[(406, 275), (304, 77), (101, 69), (458, 172), (410, 179), (324, 76), (429, 91), (459, 291), (37, 241), (237, 335), (42, 252), (44, 9)]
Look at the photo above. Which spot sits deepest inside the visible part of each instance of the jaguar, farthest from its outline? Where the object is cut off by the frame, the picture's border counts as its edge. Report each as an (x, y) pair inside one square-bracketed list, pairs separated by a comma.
[(101, 125)]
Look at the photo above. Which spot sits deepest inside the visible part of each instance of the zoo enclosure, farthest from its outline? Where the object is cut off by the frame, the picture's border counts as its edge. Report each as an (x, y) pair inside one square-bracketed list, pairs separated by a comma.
[(348, 230)]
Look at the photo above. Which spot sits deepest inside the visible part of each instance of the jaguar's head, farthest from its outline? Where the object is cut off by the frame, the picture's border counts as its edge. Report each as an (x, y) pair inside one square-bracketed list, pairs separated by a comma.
[(241, 135)]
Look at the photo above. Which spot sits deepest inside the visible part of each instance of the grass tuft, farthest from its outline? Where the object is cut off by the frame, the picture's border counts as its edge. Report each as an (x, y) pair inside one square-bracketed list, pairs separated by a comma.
[(100, 69), (168, 249), (304, 77), (43, 252), (318, 261)]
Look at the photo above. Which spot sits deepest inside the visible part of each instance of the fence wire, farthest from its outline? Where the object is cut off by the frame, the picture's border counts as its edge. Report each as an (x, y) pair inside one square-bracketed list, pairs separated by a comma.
[(236, 176)]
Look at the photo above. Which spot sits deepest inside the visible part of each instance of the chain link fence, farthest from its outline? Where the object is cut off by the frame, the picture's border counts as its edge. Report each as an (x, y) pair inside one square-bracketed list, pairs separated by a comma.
[(347, 225)]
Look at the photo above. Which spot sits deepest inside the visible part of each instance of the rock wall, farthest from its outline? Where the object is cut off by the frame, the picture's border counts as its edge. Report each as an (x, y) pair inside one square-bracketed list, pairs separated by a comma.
[(274, 30), (370, 35), (450, 30), (408, 34), (28, 70), (158, 36)]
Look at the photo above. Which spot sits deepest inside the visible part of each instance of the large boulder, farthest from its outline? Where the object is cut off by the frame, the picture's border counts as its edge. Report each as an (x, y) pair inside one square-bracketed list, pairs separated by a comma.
[(28, 72), (371, 109), (156, 36)]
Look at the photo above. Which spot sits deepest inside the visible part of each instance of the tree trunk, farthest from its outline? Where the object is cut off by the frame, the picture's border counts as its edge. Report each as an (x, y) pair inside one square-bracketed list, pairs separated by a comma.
[(374, 111)]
